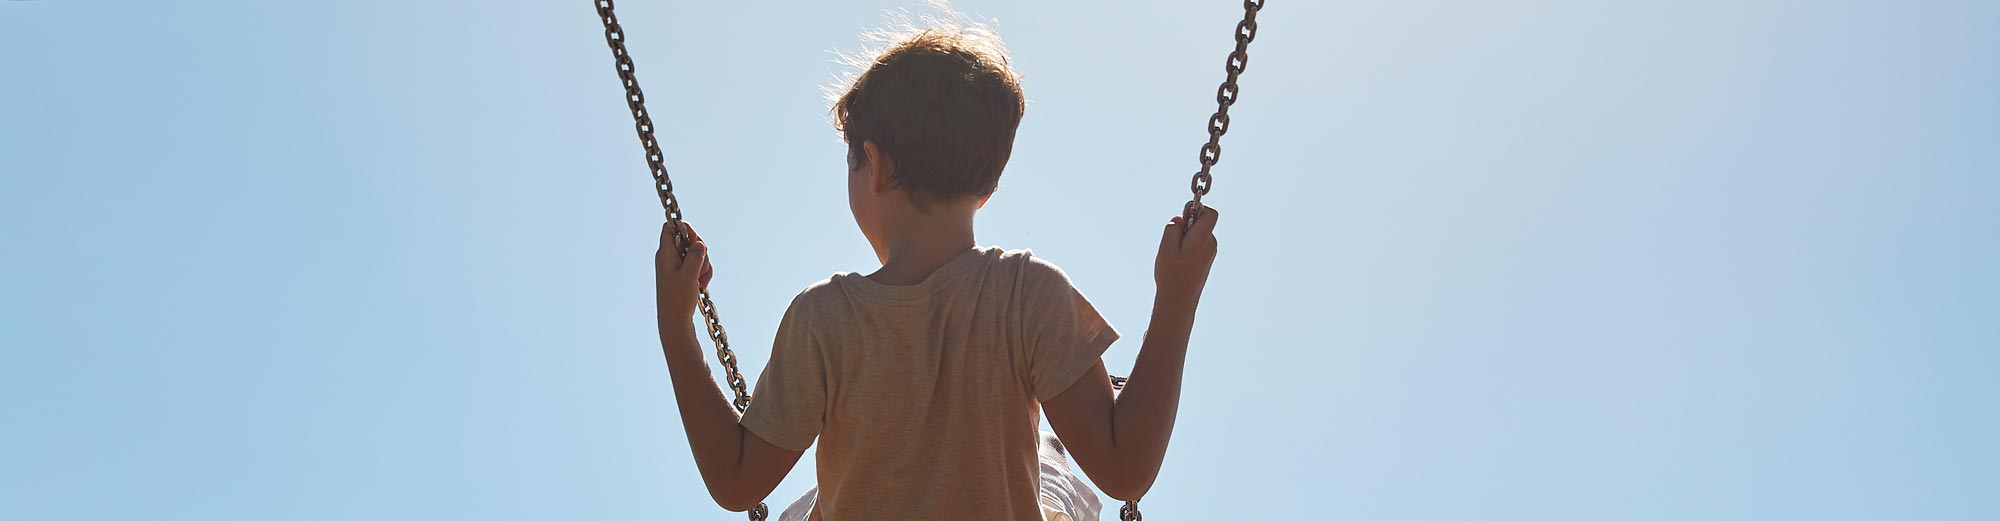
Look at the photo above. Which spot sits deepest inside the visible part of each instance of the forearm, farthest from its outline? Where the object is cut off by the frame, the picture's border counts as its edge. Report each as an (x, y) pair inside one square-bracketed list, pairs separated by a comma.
[(714, 431), (1143, 415)]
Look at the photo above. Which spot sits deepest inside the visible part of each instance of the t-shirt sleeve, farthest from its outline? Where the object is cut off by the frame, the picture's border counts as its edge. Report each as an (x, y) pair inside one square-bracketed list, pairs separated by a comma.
[(1064, 335), (788, 407)]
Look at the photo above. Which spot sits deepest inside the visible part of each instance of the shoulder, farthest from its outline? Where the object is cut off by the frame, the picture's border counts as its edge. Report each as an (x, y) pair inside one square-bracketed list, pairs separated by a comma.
[(1033, 271), (817, 299)]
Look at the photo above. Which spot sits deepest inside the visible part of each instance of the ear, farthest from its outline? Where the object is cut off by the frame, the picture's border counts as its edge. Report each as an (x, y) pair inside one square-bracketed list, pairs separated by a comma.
[(982, 201), (881, 170)]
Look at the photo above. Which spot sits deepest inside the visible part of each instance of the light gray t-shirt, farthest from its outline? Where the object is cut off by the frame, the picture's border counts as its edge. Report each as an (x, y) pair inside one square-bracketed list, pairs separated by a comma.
[(926, 399)]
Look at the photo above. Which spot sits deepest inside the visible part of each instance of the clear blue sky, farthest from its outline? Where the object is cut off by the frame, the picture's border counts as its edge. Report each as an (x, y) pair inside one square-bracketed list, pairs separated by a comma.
[(1642, 260)]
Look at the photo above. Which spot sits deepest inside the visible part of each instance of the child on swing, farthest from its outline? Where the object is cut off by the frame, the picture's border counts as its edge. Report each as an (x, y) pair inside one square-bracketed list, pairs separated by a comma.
[(924, 382)]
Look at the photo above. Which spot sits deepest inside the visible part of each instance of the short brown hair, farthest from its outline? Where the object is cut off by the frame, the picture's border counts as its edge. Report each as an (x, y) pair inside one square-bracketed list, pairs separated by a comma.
[(942, 102)]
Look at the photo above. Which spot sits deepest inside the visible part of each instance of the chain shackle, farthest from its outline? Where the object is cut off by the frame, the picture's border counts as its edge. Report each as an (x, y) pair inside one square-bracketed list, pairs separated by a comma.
[(642, 122)]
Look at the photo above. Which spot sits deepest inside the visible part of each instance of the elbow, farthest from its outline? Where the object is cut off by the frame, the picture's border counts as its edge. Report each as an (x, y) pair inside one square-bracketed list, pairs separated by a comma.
[(1129, 483), (1124, 491), (733, 498), (736, 503), (740, 505)]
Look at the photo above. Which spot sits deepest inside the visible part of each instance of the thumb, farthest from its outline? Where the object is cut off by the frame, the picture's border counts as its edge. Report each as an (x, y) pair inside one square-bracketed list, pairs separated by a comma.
[(1170, 240), (696, 261), (667, 257)]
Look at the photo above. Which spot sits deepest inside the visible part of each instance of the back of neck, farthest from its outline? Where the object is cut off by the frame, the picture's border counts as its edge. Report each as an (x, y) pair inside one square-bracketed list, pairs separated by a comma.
[(923, 243)]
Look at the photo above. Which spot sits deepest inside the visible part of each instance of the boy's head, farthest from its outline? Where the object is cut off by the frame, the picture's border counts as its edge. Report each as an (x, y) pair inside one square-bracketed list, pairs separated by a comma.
[(931, 116)]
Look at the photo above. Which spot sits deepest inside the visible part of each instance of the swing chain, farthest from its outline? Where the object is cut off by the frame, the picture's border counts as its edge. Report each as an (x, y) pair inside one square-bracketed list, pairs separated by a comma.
[(635, 99), (1225, 96), (1211, 153), (1218, 124)]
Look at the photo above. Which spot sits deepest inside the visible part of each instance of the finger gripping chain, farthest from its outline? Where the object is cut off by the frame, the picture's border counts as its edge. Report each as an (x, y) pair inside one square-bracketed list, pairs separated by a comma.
[(642, 122)]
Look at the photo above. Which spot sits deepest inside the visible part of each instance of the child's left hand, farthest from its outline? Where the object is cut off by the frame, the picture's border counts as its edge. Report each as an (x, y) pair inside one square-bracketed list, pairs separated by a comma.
[(678, 281)]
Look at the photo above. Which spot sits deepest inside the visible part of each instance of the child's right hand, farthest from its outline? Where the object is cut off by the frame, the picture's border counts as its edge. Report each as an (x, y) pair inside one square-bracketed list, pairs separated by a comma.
[(1186, 252), (678, 280)]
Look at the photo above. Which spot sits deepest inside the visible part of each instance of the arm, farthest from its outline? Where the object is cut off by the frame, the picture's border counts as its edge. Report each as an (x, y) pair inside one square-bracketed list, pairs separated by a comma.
[(1119, 439), (739, 467)]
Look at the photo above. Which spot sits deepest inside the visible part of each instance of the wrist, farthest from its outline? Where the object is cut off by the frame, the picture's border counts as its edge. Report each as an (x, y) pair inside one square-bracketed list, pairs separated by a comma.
[(1177, 292), (1176, 300), (677, 309), (676, 321), (680, 340)]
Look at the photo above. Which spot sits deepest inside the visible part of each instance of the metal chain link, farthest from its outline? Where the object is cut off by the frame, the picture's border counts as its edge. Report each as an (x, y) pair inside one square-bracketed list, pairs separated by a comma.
[(635, 99), (1130, 511)]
